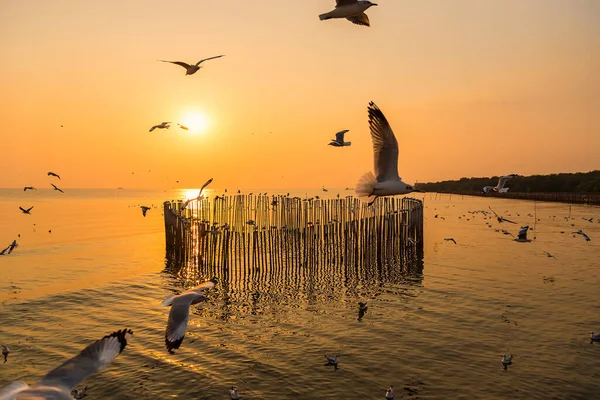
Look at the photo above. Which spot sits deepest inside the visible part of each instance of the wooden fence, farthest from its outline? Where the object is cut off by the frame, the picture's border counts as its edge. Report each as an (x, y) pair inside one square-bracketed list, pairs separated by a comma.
[(262, 233)]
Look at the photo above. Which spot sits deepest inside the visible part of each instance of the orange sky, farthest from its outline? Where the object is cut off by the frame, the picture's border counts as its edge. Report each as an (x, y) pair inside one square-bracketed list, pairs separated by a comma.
[(471, 88)]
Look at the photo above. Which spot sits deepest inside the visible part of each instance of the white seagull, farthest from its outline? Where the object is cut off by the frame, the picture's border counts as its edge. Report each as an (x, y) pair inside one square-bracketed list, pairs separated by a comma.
[(191, 69), (162, 125), (58, 383), (352, 10), (500, 186), (386, 181), (180, 313), (339, 139)]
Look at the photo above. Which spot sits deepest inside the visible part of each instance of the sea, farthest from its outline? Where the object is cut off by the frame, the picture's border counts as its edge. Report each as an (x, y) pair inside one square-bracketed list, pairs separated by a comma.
[(89, 263)]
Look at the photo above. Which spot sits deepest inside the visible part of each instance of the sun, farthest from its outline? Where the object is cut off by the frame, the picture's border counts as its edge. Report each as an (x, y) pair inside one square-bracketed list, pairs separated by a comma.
[(195, 122)]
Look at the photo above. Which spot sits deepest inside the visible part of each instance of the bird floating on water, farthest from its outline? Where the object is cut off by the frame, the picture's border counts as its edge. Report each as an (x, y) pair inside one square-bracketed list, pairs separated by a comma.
[(53, 174), (522, 236), (506, 361), (352, 10), (162, 125), (26, 188), (180, 313), (549, 255), (332, 360), (450, 240), (56, 188), (500, 186), (28, 211), (389, 394), (6, 351), (593, 338), (362, 306), (58, 383), (339, 139), (79, 393), (386, 181), (191, 69), (144, 210), (233, 392)]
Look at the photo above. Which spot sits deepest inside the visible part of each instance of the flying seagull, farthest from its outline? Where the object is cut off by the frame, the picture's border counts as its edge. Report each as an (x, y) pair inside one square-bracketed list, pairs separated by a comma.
[(197, 198), (522, 236), (580, 232), (386, 181), (58, 383), (28, 211), (500, 186), (26, 188), (352, 10), (180, 313), (450, 240), (549, 255), (6, 350), (191, 69), (500, 219), (339, 139), (144, 210), (185, 128), (162, 125), (56, 188), (53, 174)]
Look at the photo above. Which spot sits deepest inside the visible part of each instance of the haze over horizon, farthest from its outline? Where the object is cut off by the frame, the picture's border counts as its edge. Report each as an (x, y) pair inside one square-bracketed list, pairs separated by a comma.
[(470, 88)]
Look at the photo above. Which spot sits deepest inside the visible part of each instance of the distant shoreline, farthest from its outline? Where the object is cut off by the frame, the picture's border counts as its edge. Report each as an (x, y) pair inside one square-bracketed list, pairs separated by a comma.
[(555, 197)]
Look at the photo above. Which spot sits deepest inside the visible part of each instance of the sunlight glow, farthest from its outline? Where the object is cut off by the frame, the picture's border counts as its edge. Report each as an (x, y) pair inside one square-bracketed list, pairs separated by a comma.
[(196, 122)]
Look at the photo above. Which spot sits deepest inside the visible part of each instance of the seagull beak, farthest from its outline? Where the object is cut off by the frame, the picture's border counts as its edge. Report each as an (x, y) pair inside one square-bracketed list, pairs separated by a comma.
[(373, 4)]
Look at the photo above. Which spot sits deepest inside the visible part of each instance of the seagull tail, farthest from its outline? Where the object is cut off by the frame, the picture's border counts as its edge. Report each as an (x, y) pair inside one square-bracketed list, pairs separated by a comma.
[(366, 185), (324, 16)]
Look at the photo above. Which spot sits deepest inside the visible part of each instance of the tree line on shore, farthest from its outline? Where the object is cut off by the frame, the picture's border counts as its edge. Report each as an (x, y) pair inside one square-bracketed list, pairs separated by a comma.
[(579, 182)]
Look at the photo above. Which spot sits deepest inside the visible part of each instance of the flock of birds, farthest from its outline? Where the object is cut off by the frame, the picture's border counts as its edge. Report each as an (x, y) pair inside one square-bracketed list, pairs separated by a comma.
[(61, 382)]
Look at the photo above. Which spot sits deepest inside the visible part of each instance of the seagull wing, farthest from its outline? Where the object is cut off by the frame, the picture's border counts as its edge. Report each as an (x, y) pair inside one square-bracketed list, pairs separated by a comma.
[(22, 209), (205, 185), (91, 360), (385, 145), (209, 58), (184, 65), (339, 3), (339, 137), (10, 391), (502, 181), (493, 212), (359, 19), (201, 287)]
